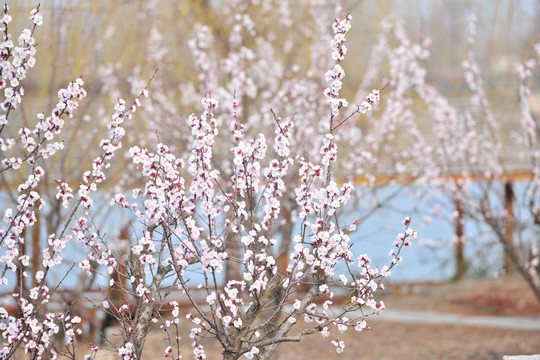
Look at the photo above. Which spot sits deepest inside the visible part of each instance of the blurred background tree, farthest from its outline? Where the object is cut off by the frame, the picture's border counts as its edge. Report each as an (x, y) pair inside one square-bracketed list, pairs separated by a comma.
[(117, 46)]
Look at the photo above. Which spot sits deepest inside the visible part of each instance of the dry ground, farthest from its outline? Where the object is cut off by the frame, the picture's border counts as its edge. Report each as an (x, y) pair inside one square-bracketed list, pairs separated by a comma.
[(507, 296)]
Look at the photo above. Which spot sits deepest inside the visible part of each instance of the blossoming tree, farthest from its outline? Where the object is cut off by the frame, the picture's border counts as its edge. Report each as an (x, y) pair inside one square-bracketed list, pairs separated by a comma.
[(189, 216), (471, 155)]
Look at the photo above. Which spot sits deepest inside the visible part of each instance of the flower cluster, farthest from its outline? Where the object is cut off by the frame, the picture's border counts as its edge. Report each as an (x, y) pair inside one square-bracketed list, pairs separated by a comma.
[(372, 98), (16, 60), (204, 130), (35, 329), (335, 75), (38, 145), (276, 171)]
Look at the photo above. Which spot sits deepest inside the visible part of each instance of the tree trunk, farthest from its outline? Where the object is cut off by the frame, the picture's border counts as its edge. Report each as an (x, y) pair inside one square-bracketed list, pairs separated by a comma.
[(233, 268), (511, 252), (228, 355)]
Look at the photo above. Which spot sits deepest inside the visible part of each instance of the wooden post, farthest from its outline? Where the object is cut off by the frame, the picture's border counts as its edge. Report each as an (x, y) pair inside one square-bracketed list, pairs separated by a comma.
[(115, 292), (20, 287), (460, 259), (286, 235), (509, 223)]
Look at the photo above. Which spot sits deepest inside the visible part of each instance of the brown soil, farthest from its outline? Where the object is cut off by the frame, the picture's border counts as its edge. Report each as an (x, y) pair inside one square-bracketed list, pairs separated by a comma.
[(507, 296), (398, 341), (404, 341)]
